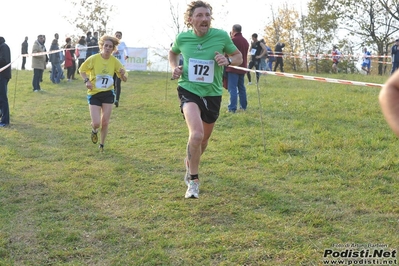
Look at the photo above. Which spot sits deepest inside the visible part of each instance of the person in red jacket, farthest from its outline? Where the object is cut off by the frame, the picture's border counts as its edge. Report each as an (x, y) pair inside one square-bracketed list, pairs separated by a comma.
[(235, 77), (69, 59)]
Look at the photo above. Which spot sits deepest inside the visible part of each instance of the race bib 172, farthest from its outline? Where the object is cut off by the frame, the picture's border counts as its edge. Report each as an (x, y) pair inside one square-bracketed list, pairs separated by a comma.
[(201, 70)]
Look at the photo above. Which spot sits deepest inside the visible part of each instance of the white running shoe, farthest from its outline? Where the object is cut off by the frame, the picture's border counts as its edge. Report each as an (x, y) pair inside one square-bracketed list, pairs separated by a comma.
[(193, 189)]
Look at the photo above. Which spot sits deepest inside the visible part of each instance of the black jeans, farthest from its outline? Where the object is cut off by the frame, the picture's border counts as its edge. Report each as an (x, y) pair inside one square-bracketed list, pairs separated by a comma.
[(117, 87), (4, 107), (23, 62), (279, 62), (256, 64), (37, 78)]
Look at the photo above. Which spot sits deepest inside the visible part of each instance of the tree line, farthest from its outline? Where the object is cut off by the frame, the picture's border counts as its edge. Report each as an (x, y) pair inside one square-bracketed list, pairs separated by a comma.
[(309, 35), (349, 24)]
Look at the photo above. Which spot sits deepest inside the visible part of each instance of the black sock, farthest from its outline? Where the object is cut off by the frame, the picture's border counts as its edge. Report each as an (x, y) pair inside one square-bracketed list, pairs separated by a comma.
[(193, 177)]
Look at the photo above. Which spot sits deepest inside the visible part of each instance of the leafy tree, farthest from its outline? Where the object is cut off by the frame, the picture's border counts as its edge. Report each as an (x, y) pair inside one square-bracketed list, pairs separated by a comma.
[(392, 8), (318, 31), (284, 28), (369, 21), (303, 33)]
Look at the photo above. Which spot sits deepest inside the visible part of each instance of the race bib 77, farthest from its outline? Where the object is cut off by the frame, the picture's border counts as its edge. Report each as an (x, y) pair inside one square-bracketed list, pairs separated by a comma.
[(104, 81)]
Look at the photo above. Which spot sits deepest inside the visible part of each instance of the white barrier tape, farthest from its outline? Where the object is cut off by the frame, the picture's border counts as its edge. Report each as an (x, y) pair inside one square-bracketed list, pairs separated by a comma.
[(329, 80), (41, 53), (27, 55)]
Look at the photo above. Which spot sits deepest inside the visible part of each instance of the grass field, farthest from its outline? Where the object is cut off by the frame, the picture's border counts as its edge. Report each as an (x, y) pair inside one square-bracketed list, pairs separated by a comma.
[(309, 168)]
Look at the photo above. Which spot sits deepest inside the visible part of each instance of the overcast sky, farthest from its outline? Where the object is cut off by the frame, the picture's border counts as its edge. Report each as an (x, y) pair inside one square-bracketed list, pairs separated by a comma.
[(147, 24)]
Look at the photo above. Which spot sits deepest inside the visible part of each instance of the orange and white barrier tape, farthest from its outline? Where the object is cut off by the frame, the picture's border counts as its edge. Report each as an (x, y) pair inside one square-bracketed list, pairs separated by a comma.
[(329, 80), (381, 59), (321, 79), (329, 56)]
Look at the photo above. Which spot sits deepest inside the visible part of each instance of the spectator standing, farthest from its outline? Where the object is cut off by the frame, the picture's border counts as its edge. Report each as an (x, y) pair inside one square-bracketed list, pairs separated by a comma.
[(263, 63), (278, 51), (336, 56), (81, 51), (395, 56), (24, 50), (270, 58), (68, 59), (121, 54), (236, 77), (366, 64), (47, 58), (5, 76), (257, 51), (73, 56), (89, 51), (94, 43), (200, 85), (38, 62), (61, 55), (56, 69)]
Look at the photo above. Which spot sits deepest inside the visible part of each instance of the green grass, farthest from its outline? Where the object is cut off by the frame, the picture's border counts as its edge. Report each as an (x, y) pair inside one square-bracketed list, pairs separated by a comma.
[(313, 165)]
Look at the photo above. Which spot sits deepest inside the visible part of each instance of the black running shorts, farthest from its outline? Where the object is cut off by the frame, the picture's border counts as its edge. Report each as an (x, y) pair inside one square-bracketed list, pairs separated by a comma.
[(101, 97), (209, 105)]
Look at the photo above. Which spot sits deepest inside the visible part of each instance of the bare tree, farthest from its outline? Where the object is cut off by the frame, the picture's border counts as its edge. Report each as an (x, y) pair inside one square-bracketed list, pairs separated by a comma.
[(173, 28), (392, 7), (177, 21), (91, 15)]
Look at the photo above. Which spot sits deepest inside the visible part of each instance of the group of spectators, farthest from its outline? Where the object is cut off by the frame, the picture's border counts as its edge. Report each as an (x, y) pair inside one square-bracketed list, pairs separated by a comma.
[(65, 56), (263, 57)]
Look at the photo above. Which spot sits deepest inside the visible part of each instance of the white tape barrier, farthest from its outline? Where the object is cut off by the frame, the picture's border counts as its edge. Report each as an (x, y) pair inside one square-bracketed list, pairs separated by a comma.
[(36, 54), (330, 80)]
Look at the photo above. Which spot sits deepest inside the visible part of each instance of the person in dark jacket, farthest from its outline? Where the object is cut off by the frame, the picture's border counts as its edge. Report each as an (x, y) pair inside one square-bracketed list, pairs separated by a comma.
[(24, 50), (257, 51), (55, 60), (89, 50), (5, 76), (395, 56), (278, 51)]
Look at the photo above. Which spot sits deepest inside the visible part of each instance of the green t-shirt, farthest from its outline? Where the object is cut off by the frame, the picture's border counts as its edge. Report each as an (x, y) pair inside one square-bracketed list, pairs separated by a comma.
[(201, 74)]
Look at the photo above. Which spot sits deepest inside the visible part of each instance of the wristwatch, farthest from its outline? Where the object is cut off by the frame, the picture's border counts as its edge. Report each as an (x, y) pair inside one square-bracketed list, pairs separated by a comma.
[(229, 59), (86, 80)]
